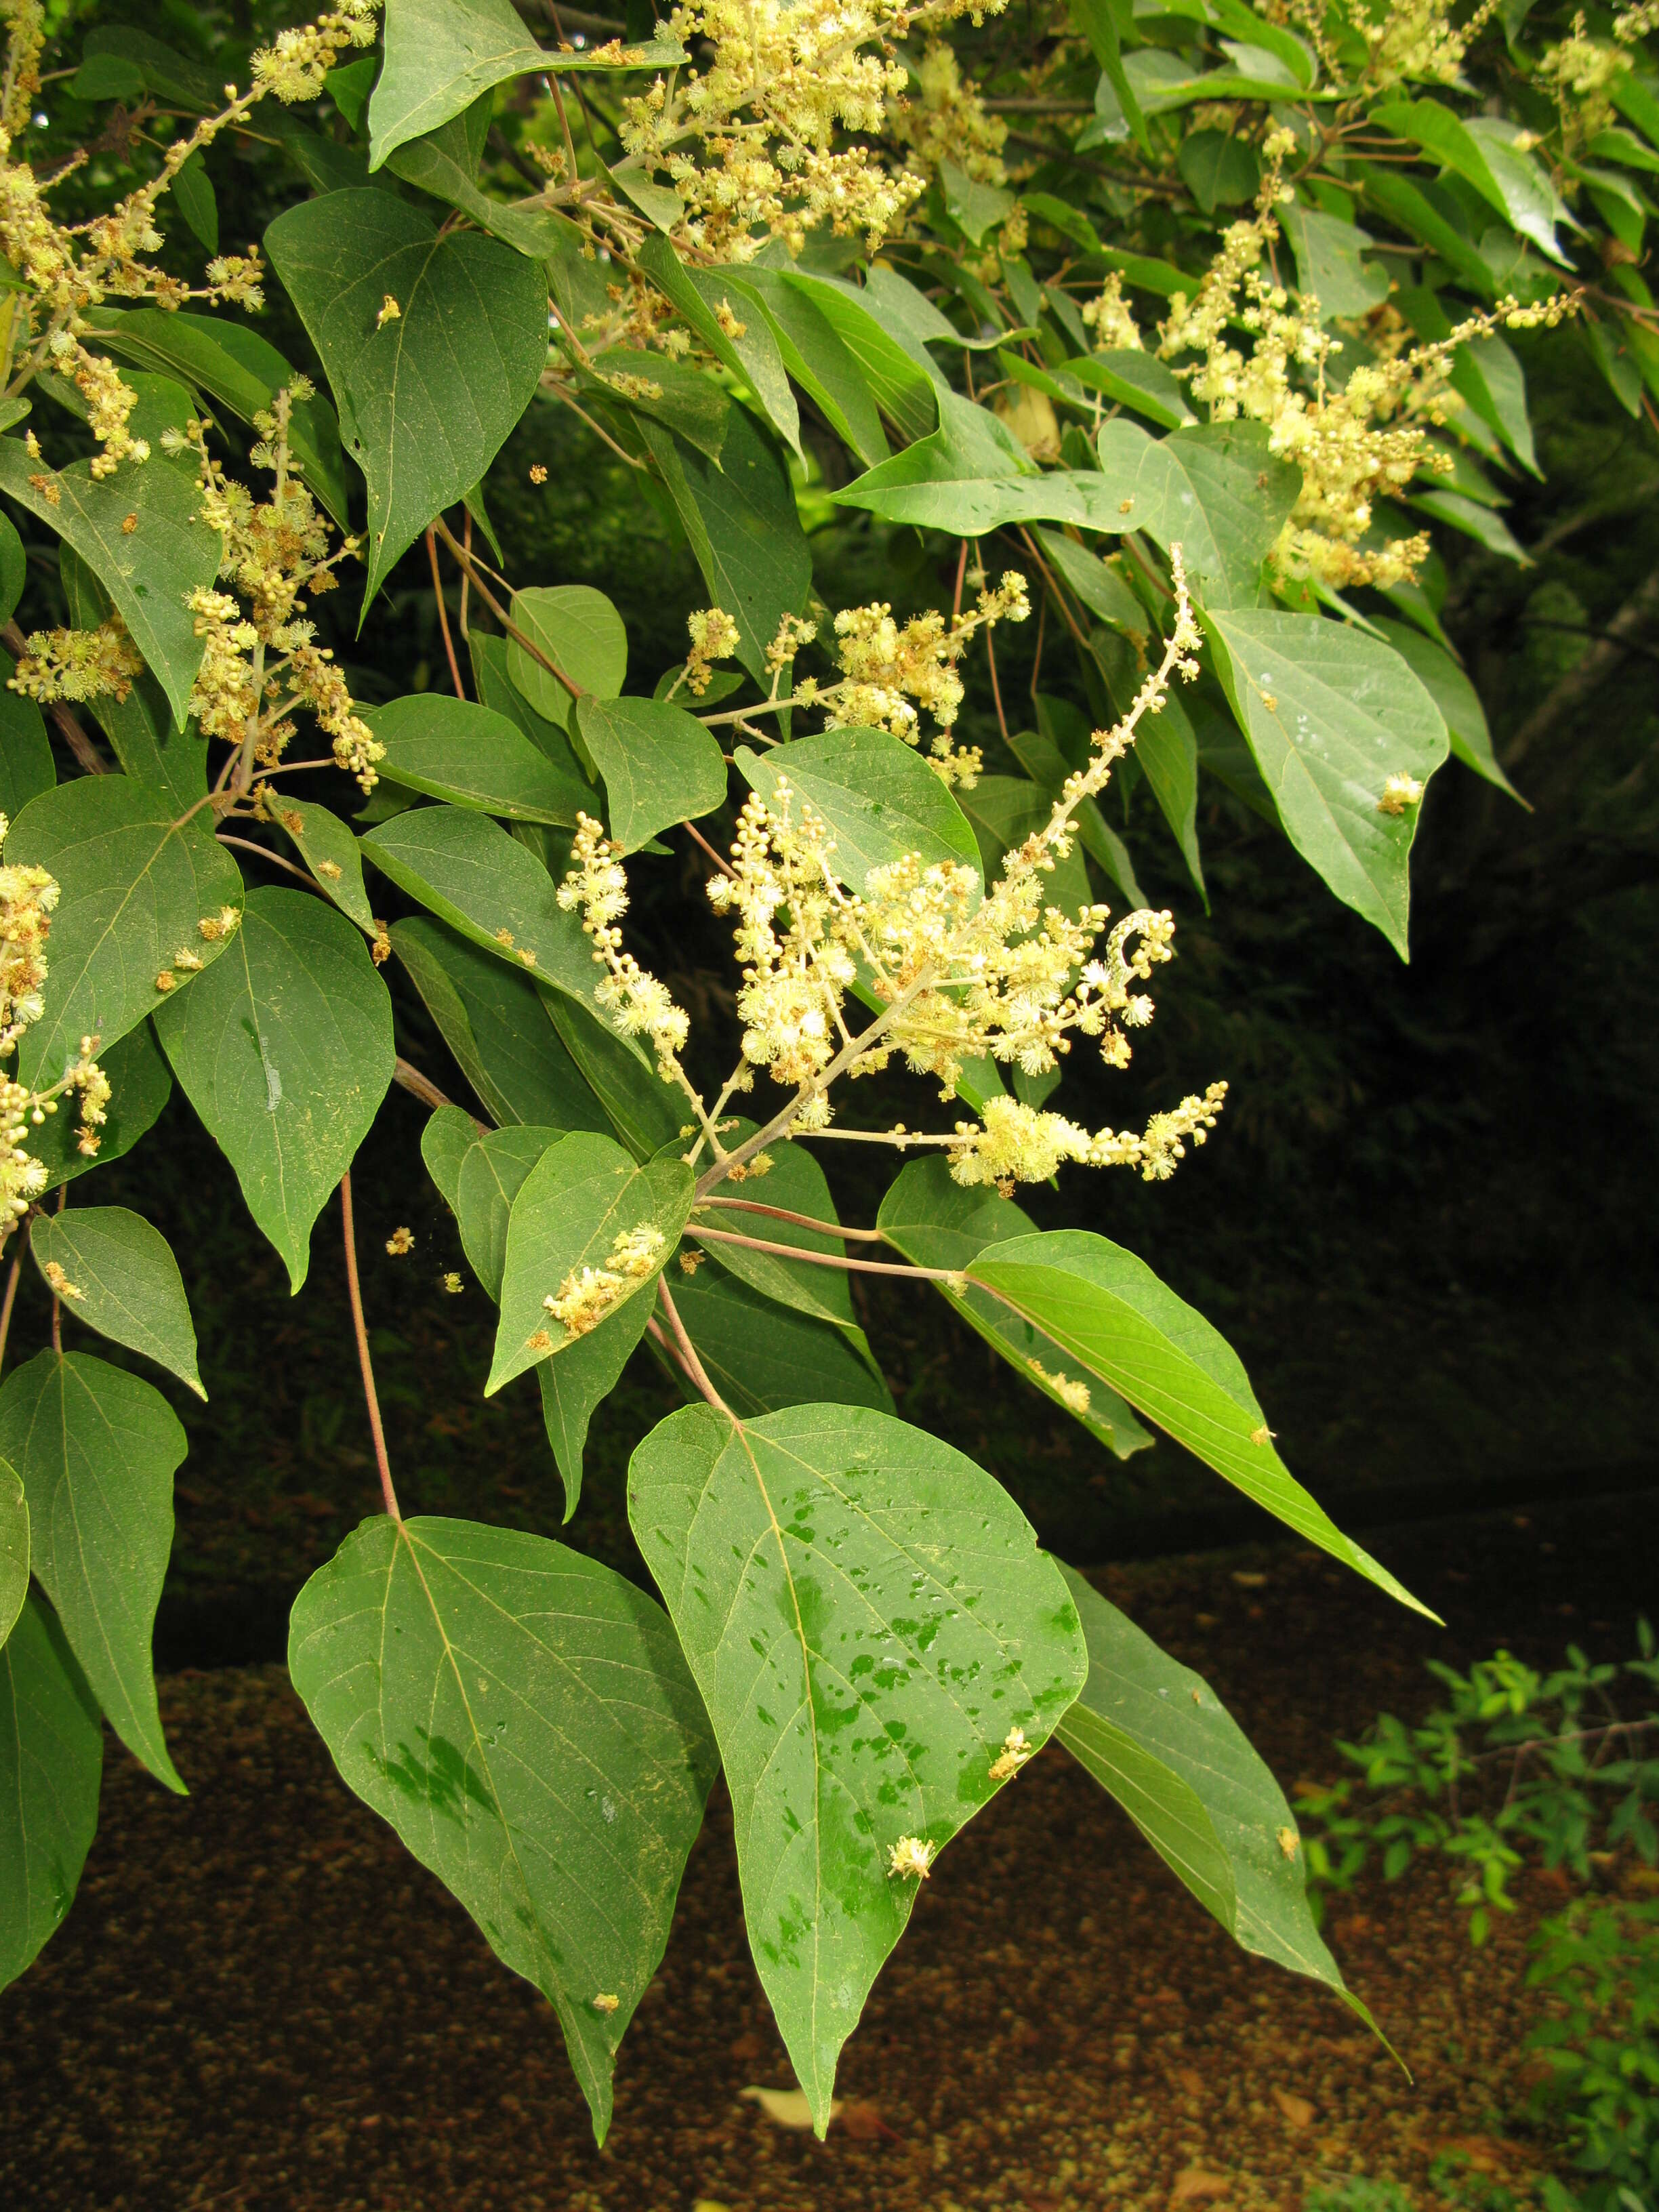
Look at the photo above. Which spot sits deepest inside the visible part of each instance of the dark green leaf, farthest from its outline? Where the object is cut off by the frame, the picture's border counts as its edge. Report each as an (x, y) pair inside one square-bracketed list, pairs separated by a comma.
[(454, 748), (795, 1182), (1218, 169), (116, 1272), (97, 1450), (1135, 379), (1453, 695), (448, 1136), (819, 360), (193, 196), (575, 1384), (52, 1762), (579, 631), (25, 764), (285, 1051), (761, 1358), (700, 295), (645, 1112), (329, 848), (13, 1548), (491, 1171), (1328, 265), (659, 763), (13, 568), (141, 1084)]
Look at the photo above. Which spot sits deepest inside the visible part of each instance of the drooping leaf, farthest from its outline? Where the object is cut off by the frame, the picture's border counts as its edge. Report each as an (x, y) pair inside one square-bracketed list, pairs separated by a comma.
[(141, 1084), (577, 1211), (492, 1168), (1136, 380), (1218, 491), (497, 689), (868, 1618), (1096, 583), (674, 393), (150, 570), (933, 1222), (456, 749), (573, 1386), (483, 883), (427, 397), (51, 1763), (1330, 714), (447, 1138), (819, 360), (193, 196), (1004, 811), (1454, 696), (743, 529), (329, 848), (645, 1112), (1156, 1736), (117, 1273), (659, 763), (14, 1548), (745, 343), (441, 54), (522, 1716), (27, 768), (902, 388), (97, 1450), (878, 797), (761, 1357), (497, 1024), (580, 631), (285, 1051), (14, 568), (1108, 1311), (136, 887), (445, 163)]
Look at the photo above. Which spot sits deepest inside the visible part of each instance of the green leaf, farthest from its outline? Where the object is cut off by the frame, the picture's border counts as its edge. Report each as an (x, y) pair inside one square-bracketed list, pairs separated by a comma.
[(903, 1622), (1503, 175), (1405, 203), (125, 1283), (27, 768), (700, 295), (194, 197), (285, 1051), (141, 1084), (1327, 264), (933, 1222), (441, 54), (645, 1112), (1134, 379), (1218, 492), (491, 1171), (582, 1196), (1111, 1315), (448, 1136), (445, 163), (795, 1182), (455, 749), (1453, 695), (1218, 169), (1330, 714), (877, 796), (975, 209), (659, 765), (573, 1387), (13, 1548), (688, 400), (14, 568), (1004, 811), (497, 1024), (1096, 582), (150, 571), (1474, 520), (901, 389), (1156, 1736), (497, 690), (819, 360), (97, 1450), (1094, 19), (329, 848), (243, 372), (135, 885), (52, 1762), (522, 1716), (427, 398), (742, 527), (762, 1358), (580, 630)]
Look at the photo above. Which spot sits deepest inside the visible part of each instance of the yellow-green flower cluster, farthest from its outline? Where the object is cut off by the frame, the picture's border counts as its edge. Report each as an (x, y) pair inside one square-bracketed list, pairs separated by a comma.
[(79, 663), (947, 121), (588, 1294), (637, 1002)]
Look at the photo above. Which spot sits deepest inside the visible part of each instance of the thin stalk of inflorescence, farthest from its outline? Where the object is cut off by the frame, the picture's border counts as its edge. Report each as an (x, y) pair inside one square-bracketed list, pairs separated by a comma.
[(828, 1259), (799, 1220), (443, 614), (688, 1351), (371, 1397)]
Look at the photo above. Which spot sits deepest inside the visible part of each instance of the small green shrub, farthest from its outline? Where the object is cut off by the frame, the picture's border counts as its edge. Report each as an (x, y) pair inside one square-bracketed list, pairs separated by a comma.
[(1600, 1963)]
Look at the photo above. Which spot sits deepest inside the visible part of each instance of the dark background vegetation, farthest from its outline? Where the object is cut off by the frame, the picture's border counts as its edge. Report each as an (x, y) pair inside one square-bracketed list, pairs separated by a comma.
[(1426, 1221)]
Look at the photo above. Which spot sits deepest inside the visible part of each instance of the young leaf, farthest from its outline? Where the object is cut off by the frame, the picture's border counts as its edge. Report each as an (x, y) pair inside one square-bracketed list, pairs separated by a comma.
[(1109, 1312), (135, 888), (14, 1548), (51, 1763), (285, 1051), (454, 748), (97, 1450), (116, 1271), (497, 1025), (878, 797), (760, 1357), (329, 848), (659, 763), (585, 1213), (1156, 1736), (1330, 716), (483, 883), (575, 1384), (427, 395), (149, 570), (743, 529), (522, 1716), (580, 630), (141, 1084), (904, 1623), (491, 1171), (933, 1222)]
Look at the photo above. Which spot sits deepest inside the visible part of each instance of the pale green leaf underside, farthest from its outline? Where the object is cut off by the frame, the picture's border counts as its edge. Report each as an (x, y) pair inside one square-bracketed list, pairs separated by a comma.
[(127, 1283), (286, 1055), (523, 1718), (97, 1449), (582, 1194), (1107, 1312), (134, 887), (867, 1616), (52, 1762)]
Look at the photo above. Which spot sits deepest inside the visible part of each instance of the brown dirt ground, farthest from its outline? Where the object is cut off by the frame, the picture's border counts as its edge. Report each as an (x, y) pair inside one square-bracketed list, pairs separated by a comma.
[(261, 2002)]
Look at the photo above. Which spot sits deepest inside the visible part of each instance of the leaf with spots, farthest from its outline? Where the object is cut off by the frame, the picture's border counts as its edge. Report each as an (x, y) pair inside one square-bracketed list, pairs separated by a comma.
[(868, 1618), (286, 1054), (523, 1719)]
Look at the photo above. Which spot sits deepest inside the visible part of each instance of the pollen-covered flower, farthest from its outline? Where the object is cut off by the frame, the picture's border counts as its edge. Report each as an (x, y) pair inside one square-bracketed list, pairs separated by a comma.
[(911, 1858), (715, 636), (1399, 794)]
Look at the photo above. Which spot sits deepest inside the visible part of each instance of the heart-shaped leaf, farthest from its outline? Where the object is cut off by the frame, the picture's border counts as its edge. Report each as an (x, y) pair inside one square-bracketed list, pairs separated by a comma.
[(659, 763), (116, 1271)]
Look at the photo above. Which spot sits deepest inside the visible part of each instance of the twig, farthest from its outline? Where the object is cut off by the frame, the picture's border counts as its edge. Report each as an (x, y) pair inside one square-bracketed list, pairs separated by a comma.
[(962, 571), (500, 613), (826, 1259), (369, 1395), (419, 1086), (723, 865), (443, 613), (800, 1220), (996, 688), (688, 1351), (247, 845)]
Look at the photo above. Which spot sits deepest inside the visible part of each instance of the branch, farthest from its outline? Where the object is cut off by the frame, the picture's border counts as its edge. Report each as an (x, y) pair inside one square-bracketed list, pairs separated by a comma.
[(422, 1087), (828, 1259), (688, 1353), (370, 1396), (443, 614)]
